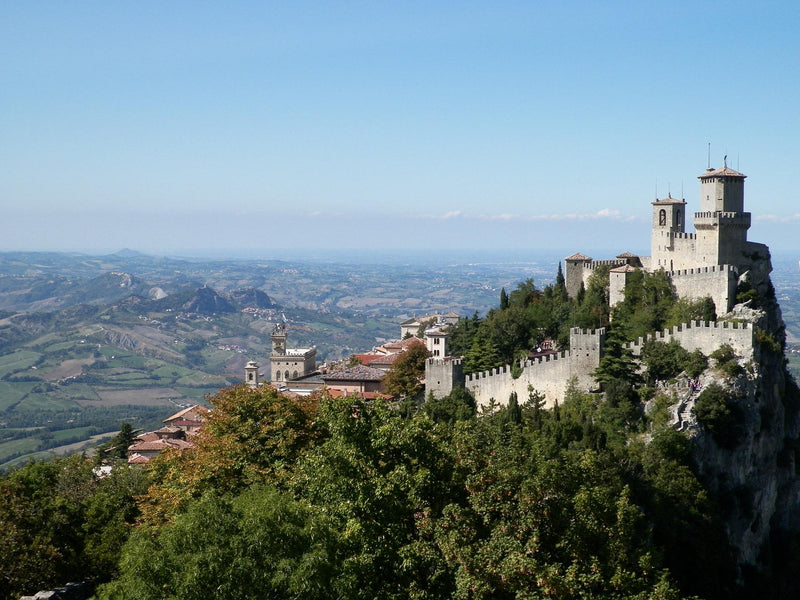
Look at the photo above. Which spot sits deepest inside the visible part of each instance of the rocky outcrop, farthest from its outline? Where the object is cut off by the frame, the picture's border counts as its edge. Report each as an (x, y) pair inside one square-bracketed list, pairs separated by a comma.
[(755, 479)]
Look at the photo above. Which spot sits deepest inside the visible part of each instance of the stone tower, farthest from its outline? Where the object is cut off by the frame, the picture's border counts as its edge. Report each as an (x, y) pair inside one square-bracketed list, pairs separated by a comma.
[(279, 340), (669, 224), (251, 374), (721, 223)]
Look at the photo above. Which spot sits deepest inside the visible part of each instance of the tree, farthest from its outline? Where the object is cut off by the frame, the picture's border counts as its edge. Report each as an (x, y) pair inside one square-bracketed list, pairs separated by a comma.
[(404, 376), (258, 544), (503, 299), (252, 436), (458, 405)]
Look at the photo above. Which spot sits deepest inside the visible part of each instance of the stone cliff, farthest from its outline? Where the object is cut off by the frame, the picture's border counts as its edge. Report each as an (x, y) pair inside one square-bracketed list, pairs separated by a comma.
[(756, 477)]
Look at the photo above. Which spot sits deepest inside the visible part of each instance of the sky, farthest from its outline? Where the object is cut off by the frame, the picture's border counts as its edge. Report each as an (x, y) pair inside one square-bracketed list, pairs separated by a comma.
[(255, 128)]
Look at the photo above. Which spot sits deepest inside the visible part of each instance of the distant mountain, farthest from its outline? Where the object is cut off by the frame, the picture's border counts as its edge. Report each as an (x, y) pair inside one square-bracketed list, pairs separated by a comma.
[(127, 253), (250, 298), (203, 301)]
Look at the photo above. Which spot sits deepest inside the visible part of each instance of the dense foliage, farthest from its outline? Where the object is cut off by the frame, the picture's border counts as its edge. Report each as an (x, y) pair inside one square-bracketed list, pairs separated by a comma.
[(325, 497)]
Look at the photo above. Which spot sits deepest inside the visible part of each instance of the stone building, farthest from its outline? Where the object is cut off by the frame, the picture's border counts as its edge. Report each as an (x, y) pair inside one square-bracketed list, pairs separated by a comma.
[(705, 263), (287, 364)]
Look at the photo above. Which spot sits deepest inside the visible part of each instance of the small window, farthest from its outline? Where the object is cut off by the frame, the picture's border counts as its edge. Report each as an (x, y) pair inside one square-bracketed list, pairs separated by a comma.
[(662, 217)]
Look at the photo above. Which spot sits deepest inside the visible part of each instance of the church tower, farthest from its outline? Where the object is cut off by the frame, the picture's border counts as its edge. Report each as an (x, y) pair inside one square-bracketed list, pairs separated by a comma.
[(669, 224), (279, 340), (721, 223)]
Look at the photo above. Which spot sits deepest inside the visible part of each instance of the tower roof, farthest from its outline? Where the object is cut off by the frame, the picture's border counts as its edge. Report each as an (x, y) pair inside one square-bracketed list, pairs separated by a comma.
[(578, 256), (723, 172), (669, 200)]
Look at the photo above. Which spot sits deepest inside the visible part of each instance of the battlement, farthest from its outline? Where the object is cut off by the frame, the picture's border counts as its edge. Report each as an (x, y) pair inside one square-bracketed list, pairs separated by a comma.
[(705, 336), (681, 235), (441, 362), (703, 270), (707, 218), (612, 262)]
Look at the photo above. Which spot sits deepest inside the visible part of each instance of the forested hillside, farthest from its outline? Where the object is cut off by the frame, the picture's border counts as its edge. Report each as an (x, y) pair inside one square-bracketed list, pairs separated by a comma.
[(322, 497)]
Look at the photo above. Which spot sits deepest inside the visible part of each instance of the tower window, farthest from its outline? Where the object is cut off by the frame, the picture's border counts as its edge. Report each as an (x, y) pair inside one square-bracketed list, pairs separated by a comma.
[(662, 217)]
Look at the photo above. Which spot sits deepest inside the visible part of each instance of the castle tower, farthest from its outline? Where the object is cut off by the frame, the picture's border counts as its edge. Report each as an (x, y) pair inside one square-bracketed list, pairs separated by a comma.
[(721, 223), (251, 374), (574, 267), (669, 223)]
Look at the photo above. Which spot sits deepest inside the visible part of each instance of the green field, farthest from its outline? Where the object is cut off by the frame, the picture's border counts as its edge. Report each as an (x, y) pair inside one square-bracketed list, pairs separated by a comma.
[(17, 361), (11, 393), (17, 447)]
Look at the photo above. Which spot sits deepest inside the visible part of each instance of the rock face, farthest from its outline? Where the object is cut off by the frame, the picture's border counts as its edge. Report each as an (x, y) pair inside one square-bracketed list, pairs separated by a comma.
[(756, 479)]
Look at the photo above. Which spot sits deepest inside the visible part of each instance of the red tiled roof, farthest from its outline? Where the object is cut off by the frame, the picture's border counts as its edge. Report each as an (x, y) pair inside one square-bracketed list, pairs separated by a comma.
[(200, 410), (334, 393), (723, 172), (623, 269), (578, 256), (138, 459), (627, 255), (383, 359), (669, 200)]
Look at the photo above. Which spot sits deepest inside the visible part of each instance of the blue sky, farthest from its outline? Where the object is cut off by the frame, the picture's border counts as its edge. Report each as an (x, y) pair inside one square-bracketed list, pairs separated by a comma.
[(245, 127)]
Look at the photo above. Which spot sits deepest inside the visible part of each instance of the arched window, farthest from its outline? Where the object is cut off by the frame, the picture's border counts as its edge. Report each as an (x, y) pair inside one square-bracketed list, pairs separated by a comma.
[(286, 375), (678, 218), (294, 375), (278, 375), (250, 377), (662, 217)]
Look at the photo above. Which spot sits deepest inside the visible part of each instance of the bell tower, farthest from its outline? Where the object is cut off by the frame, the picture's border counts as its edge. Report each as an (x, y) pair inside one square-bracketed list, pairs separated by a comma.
[(669, 223)]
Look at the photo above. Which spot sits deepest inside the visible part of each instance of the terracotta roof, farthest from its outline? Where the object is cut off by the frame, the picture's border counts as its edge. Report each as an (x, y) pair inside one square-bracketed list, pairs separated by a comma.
[(159, 445), (623, 269), (723, 172), (627, 255), (400, 345), (669, 200), (435, 332), (150, 436), (357, 373), (168, 429), (578, 256), (200, 410), (383, 359), (334, 393), (137, 459), (365, 359)]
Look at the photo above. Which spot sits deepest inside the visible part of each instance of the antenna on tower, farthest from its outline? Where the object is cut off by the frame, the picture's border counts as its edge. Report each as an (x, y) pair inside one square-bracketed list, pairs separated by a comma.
[(709, 155), (682, 196)]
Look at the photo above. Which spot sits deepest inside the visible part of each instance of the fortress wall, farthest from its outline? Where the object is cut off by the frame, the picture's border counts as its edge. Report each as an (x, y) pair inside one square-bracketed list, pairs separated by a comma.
[(706, 337), (548, 375), (719, 282), (442, 375)]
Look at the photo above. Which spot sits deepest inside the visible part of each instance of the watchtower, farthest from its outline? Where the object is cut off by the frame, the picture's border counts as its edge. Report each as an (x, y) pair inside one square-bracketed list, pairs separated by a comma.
[(722, 223)]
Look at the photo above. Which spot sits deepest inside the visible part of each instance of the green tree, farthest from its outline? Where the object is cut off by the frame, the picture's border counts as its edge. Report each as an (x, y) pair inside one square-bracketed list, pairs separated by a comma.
[(258, 544), (458, 405), (406, 373)]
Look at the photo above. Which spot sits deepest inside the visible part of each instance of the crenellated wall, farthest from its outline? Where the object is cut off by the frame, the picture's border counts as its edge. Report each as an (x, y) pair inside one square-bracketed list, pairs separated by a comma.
[(718, 281), (549, 375), (706, 336)]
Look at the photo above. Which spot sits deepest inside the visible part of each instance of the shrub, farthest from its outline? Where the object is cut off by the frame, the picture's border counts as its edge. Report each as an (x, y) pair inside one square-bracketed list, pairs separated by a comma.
[(720, 414)]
